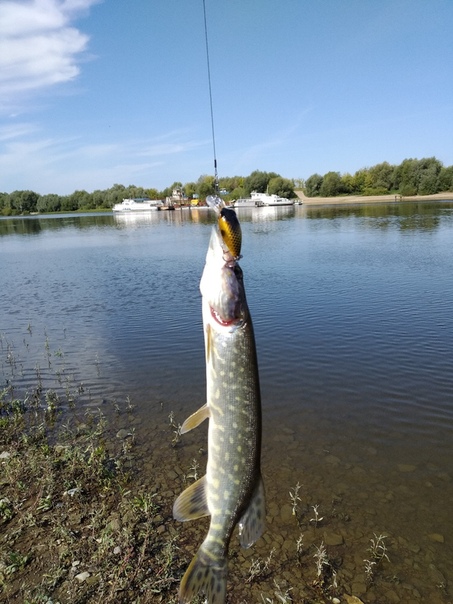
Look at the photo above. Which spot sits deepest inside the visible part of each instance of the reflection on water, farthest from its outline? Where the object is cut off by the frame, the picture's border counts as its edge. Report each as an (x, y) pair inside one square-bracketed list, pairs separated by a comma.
[(418, 216), (34, 225), (352, 313)]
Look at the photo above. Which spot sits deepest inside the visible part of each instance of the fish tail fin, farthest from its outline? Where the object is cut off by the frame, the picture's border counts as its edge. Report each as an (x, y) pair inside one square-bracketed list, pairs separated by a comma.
[(206, 574)]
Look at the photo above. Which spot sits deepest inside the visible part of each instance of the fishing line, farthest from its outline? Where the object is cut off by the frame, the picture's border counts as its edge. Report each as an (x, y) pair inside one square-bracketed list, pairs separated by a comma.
[(216, 178)]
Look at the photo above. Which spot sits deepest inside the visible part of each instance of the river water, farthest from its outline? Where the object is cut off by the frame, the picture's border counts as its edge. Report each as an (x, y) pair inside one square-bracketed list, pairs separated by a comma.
[(352, 308)]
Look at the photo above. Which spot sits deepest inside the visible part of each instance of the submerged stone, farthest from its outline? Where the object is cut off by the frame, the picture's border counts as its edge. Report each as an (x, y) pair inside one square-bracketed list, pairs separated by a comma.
[(406, 467), (333, 538), (436, 537)]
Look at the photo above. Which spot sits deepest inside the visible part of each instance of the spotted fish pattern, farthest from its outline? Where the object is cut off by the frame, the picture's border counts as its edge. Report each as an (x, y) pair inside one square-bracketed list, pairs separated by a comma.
[(232, 490)]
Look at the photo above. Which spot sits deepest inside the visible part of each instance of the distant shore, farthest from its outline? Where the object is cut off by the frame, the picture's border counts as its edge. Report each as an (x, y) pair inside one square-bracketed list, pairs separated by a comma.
[(356, 199)]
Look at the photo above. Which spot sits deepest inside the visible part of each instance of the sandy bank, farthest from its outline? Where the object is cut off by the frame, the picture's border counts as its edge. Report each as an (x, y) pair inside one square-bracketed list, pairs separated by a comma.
[(352, 199)]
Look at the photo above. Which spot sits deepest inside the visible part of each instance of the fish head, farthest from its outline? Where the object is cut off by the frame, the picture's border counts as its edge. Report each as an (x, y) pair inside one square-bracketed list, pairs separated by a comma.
[(222, 287)]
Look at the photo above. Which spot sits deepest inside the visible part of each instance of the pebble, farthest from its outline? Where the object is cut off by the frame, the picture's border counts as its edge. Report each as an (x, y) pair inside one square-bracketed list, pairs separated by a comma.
[(359, 588), (412, 547), (114, 524), (122, 434), (435, 575), (406, 467), (358, 470), (392, 596), (5, 455), (81, 577), (352, 599), (436, 537), (444, 476), (333, 538), (286, 512)]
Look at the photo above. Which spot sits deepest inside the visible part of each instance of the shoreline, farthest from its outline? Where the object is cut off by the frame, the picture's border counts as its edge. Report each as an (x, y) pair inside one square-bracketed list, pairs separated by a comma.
[(362, 199)]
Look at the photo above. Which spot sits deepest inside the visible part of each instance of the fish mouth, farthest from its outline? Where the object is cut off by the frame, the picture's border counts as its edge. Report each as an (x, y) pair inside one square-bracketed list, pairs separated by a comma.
[(234, 321)]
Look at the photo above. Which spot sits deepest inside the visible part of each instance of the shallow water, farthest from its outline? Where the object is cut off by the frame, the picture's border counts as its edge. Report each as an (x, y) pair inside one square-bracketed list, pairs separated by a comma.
[(352, 314)]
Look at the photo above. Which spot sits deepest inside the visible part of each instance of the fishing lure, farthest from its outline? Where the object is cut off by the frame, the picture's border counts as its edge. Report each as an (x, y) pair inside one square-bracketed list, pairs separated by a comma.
[(229, 226)]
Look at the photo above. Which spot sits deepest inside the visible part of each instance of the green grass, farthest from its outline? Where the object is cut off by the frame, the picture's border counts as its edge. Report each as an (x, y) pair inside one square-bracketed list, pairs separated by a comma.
[(83, 521)]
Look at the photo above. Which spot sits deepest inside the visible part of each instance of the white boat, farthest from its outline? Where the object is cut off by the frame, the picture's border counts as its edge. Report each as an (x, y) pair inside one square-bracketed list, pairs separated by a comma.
[(263, 199), (138, 204), (246, 203), (259, 200)]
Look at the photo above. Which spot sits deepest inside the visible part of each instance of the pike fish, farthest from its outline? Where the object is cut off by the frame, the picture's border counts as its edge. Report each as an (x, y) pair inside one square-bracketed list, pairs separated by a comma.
[(232, 490)]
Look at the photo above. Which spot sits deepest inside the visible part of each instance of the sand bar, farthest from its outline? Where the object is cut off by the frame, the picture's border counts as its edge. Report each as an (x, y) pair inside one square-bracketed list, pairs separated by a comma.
[(356, 199)]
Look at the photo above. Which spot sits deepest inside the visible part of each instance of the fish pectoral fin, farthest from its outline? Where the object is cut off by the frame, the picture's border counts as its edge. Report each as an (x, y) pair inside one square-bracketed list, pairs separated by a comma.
[(195, 419), (192, 503), (251, 524)]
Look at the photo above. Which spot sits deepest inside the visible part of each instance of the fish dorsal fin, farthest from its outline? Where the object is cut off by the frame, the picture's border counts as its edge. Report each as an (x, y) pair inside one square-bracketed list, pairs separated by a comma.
[(251, 524), (192, 502), (195, 419)]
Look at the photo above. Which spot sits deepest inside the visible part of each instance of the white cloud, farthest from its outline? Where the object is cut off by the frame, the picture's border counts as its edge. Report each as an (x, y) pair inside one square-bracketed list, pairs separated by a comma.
[(38, 47), (12, 131), (94, 165)]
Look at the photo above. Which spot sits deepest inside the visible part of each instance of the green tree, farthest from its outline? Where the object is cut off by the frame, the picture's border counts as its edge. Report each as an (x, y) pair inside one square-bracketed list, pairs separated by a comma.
[(152, 193), (258, 181), (359, 181), (77, 201), (190, 189), (69, 203), (282, 187), (49, 203), (24, 202), (347, 183), (114, 195), (132, 192), (206, 186), (428, 176), (406, 177), (445, 179), (5, 204), (381, 177), (331, 185), (414, 176), (238, 193), (99, 199), (313, 185)]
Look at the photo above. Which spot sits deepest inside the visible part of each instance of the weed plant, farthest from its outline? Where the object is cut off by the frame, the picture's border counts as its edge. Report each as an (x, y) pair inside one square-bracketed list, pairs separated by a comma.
[(81, 523)]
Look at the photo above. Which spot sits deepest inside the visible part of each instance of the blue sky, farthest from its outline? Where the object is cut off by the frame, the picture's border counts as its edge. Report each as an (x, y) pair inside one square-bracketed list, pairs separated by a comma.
[(96, 92)]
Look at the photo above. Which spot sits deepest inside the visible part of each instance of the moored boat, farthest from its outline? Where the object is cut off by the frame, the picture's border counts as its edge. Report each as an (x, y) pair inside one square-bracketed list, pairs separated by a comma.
[(246, 202), (138, 204), (271, 200), (259, 200)]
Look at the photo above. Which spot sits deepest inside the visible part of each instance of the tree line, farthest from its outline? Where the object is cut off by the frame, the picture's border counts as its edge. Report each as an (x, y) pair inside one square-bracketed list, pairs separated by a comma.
[(27, 202), (412, 177)]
